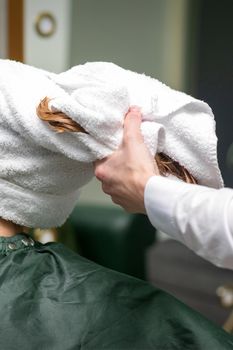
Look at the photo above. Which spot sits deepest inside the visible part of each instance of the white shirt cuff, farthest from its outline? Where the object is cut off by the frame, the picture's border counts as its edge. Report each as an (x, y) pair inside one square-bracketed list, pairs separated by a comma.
[(160, 197)]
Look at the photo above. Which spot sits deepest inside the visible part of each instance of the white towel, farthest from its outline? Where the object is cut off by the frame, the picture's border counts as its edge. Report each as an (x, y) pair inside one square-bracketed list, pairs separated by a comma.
[(41, 171)]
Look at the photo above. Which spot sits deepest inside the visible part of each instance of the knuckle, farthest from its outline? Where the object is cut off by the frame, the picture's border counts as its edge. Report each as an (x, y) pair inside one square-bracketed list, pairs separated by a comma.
[(105, 188), (99, 172), (128, 209), (115, 200)]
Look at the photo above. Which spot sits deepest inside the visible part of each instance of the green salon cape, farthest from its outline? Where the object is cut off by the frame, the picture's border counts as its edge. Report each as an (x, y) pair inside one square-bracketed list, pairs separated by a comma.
[(51, 298)]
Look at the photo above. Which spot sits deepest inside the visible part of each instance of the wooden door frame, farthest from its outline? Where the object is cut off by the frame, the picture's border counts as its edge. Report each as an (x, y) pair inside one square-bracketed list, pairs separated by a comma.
[(15, 37)]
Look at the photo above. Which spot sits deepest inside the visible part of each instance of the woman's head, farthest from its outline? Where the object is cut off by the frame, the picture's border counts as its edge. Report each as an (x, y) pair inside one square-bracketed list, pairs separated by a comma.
[(60, 123)]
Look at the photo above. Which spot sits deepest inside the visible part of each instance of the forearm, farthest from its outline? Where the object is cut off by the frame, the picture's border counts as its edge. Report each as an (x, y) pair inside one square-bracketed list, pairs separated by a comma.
[(198, 216)]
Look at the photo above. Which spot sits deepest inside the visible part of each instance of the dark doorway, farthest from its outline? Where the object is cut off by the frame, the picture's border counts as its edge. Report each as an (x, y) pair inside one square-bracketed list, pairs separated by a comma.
[(214, 81)]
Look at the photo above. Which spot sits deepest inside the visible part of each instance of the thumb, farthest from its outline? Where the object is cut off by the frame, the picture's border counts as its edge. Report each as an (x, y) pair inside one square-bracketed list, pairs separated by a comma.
[(132, 123)]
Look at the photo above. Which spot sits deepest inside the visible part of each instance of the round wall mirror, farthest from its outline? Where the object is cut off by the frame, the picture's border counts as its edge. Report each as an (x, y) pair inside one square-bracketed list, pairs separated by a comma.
[(45, 24)]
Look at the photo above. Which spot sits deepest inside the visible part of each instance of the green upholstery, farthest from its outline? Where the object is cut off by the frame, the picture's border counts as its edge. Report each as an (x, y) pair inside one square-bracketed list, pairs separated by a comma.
[(112, 237)]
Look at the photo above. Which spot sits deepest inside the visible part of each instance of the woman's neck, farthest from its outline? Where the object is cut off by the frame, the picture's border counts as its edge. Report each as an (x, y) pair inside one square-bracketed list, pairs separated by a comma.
[(9, 229)]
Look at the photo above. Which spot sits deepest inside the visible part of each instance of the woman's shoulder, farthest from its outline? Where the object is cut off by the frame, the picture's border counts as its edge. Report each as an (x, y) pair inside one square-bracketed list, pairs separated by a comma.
[(76, 264), (78, 271)]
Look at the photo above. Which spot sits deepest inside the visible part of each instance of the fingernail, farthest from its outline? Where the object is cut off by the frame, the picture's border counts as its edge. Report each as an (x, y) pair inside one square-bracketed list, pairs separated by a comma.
[(134, 109)]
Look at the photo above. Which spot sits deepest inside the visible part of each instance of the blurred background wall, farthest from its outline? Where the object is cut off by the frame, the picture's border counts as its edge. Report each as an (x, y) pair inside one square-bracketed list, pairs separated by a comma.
[(48, 52), (145, 36)]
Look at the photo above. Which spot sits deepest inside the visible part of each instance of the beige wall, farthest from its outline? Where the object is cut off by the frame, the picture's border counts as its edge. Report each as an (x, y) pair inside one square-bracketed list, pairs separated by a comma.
[(51, 53), (175, 41), (143, 35)]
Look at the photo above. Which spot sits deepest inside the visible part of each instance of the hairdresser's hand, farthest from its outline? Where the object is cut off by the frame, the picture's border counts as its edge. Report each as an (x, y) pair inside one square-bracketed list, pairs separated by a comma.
[(125, 173)]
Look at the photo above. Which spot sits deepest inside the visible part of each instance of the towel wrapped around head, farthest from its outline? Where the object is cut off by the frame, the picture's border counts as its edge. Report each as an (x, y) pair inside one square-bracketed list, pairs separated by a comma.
[(41, 171)]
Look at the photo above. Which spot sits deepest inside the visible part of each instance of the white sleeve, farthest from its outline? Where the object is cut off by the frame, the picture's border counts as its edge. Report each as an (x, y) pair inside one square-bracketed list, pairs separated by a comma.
[(198, 216)]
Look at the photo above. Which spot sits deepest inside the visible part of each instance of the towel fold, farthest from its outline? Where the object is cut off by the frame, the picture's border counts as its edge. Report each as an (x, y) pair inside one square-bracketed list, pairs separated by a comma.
[(41, 171), (173, 122)]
